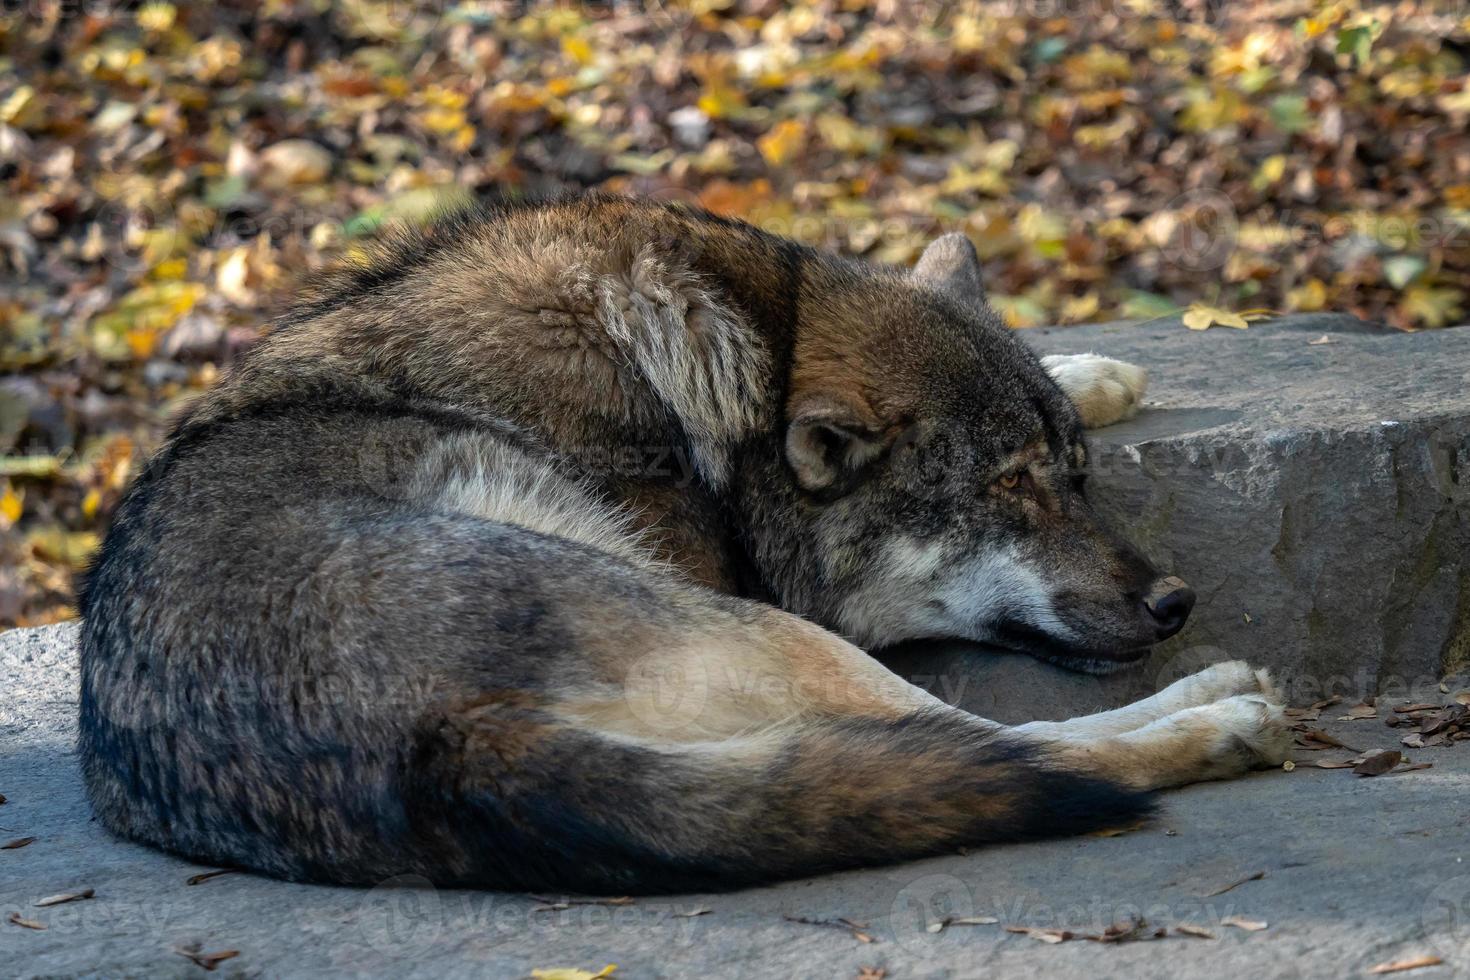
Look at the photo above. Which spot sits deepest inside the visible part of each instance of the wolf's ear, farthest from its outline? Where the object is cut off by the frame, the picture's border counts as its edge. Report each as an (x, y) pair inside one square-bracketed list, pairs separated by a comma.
[(950, 265), (828, 444)]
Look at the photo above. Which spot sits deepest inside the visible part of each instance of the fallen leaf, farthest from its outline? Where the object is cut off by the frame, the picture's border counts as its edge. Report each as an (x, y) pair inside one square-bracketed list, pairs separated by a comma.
[(1254, 876), (1334, 764), (1120, 830), (1125, 931), (572, 973), (1198, 932), (1412, 767), (1378, 763), (65, 897), (1360, 712), (1413, 740), (1445, 719), (1042, 935), (1322, 739), (1320, 341), (1249, 925), (855, 928), (16, 920), (1399, 966), (1202, 317), (207, 960), (201, 878), (17, 843), (961, 920), (693, 913), (871, 973)]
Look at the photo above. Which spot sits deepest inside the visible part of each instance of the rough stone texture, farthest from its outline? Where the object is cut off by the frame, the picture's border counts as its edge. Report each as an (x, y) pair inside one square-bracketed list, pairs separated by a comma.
[(1316, 495), (1358, 872)]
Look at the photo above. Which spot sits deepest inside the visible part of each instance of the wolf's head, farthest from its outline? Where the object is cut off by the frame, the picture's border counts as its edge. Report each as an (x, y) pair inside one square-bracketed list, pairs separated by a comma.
[(930, 480)]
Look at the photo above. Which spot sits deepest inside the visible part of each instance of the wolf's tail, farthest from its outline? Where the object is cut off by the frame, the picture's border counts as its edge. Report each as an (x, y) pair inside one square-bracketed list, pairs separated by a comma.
[(617, 816)]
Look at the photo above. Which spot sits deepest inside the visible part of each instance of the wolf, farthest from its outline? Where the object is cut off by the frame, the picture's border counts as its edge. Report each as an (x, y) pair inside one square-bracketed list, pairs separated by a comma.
[(540, 549)]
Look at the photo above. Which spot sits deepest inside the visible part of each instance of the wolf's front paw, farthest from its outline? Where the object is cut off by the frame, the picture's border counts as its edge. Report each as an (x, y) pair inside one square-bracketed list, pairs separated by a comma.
[(1247, 732), (1220, 681), (1104, 390)]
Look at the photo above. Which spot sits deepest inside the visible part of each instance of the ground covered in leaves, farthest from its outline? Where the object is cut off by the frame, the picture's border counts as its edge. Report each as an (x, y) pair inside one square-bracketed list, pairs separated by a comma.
[(168, 171)]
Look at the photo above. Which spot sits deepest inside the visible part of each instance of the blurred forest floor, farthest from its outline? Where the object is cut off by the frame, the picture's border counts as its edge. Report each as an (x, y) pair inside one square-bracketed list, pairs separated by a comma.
[(169, 170)]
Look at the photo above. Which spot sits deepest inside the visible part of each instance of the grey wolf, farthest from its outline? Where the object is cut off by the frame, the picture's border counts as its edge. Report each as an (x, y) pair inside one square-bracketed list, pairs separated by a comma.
[(422, 587)]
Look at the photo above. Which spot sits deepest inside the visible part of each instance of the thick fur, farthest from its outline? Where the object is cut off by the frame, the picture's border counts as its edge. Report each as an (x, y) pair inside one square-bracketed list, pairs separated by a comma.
[(532, 553)]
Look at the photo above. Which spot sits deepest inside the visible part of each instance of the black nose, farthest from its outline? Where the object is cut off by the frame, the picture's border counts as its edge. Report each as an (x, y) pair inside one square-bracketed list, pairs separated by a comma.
[(1169, 601)]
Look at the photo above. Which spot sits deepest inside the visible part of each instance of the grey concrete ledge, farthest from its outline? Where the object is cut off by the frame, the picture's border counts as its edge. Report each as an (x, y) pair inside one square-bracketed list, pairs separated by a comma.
[(1310, 476)]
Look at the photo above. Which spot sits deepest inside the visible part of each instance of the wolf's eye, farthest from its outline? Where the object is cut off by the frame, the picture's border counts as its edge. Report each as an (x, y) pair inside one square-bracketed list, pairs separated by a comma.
[(1011, 481)]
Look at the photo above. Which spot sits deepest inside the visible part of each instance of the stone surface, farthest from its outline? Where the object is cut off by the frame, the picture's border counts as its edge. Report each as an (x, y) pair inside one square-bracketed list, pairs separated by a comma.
[(1310, 477), (1357, 872)]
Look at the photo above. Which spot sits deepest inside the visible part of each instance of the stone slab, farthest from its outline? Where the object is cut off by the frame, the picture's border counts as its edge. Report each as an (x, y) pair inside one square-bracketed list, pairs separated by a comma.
[(1309, 476), (1357, 872)]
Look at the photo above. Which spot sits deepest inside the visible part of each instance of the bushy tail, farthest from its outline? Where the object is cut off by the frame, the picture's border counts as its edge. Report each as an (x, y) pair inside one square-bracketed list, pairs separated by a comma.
[(594, 814)]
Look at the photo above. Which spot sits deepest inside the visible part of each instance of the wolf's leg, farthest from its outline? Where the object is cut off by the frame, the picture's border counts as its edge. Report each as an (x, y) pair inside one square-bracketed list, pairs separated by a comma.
[(1212, 741), (1104, 390), (1214, 683)]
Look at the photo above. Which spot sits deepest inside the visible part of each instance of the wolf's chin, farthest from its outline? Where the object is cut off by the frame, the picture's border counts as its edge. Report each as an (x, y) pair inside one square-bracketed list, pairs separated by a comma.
[(1090, 665)]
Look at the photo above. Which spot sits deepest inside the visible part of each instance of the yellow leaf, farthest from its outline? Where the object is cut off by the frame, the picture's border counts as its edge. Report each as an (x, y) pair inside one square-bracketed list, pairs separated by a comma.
[(783, 142), (157, 16), (577, 49), (719, 101), (11, 505), (571, 973), (1201, 317), (90, 503)]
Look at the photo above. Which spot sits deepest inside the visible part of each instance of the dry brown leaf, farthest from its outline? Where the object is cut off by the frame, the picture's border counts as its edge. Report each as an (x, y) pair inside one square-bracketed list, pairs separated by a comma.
[(15, 920), (1240, 922), (1128, 930), (1189, 929), (871, 973), (1445, 720), (1399, 966), (1360, 712), (1412, 767), (856, 929), (1413, 740), (1043, 935), (65, 897), (1316, 739), (1254, 876), (207, 960), (201, 878), (17, 843), (1336, 764), (1378, 763), (1120, 830)]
